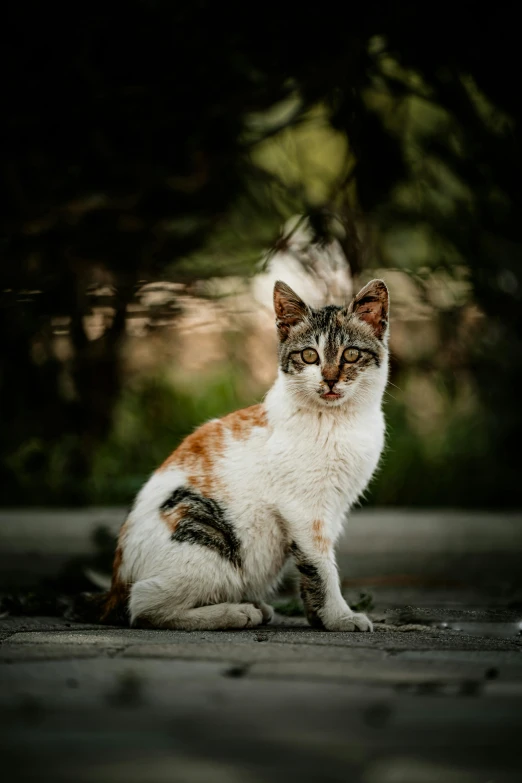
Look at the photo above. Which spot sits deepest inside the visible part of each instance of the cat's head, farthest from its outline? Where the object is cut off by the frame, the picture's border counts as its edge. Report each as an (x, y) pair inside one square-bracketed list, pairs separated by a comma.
[(332, 356)]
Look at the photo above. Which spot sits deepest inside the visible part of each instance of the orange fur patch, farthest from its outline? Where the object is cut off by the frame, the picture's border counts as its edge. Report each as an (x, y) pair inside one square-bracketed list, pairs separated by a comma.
[(173, 517), (119, 593), (321, 541), (199, 453), (240, 423)]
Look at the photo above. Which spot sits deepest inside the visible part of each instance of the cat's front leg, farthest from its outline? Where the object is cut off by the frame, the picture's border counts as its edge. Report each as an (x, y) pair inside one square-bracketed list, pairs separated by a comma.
[(266, 610), (320, 588)]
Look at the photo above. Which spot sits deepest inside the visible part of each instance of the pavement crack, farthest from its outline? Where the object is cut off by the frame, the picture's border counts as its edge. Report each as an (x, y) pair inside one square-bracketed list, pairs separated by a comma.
[(407, 628), (113, 652)]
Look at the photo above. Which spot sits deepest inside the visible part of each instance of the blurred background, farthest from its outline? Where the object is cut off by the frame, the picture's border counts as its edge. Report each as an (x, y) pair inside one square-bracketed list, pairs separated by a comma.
[(164, 163)]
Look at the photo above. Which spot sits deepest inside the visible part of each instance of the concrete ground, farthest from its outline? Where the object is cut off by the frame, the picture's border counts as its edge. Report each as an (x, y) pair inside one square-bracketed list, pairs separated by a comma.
[(434, 694)]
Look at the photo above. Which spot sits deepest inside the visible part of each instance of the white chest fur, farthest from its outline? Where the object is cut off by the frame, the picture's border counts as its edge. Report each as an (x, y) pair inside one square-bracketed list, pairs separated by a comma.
[(322, 460)]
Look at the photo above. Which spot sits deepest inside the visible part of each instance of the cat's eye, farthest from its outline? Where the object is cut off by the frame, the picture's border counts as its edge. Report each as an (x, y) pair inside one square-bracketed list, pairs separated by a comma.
[(309, 356), (351, 354)]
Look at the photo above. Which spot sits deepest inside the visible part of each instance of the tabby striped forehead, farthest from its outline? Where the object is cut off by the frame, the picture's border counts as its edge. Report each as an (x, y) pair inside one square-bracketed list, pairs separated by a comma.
[(329, 329)]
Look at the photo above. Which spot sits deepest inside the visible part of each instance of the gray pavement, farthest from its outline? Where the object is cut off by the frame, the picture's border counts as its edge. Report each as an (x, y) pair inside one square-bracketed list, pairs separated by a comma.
[(435, 694), (283, 702)]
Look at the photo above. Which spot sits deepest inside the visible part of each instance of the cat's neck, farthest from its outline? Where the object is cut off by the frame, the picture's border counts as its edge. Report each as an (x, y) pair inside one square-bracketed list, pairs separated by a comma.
[(282, 405)]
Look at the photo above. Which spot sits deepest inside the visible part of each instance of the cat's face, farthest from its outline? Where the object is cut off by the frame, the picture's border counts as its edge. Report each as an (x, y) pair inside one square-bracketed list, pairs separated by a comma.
[(333, 355)]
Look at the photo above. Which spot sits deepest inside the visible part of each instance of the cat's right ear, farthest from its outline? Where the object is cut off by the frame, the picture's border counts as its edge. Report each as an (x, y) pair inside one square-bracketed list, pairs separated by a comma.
[(289, 308), (371, 305)]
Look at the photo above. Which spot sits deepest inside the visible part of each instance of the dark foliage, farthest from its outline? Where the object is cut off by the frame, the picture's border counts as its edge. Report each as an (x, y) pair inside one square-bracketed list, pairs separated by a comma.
[(124, 146)]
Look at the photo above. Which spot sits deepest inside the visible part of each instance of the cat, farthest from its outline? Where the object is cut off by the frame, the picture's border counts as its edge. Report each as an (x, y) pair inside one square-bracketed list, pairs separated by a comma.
[(210, 532)]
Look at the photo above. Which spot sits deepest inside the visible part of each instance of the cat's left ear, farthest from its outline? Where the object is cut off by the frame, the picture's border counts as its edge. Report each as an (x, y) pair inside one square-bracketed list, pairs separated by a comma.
[(372, 305)]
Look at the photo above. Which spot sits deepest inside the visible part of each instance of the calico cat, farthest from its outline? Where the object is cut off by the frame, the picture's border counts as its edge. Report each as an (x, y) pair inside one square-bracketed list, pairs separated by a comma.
[(207, 538)]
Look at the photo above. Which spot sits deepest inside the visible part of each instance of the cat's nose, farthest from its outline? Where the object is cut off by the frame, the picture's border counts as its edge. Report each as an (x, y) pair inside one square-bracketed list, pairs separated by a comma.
[(331, 384)]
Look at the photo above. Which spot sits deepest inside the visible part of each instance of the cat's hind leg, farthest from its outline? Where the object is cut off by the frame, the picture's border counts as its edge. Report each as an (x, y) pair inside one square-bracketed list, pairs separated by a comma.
[(152, 600), (191, 568)]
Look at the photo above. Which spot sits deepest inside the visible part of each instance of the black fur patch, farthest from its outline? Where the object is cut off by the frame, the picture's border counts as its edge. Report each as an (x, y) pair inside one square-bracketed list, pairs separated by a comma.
[(313, 591), (204, 523)]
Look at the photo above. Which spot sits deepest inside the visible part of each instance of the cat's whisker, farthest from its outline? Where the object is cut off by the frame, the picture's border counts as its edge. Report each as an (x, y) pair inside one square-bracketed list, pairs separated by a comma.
[(388, 394)]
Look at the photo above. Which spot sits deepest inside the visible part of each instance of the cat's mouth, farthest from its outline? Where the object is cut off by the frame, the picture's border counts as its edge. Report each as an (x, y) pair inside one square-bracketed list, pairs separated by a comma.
[(330, 396)]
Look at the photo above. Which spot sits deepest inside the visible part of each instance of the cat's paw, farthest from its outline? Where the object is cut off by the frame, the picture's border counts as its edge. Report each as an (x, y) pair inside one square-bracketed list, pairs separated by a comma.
[(356, 621), (243, 616), (266, 610)]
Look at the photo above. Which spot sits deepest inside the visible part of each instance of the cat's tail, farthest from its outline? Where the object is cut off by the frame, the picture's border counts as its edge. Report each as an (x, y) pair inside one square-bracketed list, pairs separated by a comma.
[(108, 608)]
